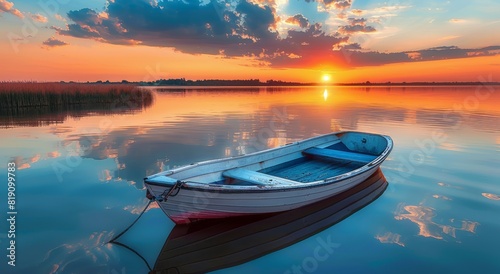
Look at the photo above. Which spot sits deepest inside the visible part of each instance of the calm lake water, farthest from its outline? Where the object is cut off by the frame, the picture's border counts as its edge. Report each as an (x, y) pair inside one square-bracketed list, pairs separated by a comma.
[(79, 178)]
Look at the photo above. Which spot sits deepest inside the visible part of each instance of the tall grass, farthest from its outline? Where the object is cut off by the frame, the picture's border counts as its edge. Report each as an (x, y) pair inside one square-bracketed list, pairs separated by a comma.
[(34, 104), (30, 94)]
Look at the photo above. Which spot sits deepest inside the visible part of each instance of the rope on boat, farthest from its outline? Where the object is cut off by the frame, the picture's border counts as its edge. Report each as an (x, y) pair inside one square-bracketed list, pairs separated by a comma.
[(163, 198)]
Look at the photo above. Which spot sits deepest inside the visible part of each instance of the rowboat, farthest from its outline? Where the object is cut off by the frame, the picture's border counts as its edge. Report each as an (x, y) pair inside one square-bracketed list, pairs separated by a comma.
[(268, 181), (210, 245)]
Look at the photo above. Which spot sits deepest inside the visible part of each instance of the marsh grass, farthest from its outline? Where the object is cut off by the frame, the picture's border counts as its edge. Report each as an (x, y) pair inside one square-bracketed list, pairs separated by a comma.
[(31, 94), (22, 102)]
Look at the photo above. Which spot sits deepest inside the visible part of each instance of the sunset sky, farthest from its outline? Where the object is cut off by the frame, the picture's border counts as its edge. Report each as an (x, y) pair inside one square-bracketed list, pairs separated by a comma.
[(291, 40)]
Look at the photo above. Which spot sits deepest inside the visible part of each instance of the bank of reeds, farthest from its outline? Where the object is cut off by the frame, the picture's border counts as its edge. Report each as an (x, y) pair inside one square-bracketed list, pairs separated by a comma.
[(16, 95), (38, 104)]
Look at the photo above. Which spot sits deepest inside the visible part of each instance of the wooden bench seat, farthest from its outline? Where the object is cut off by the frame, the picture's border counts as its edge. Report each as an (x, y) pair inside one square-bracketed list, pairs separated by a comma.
[(255, 177), (339, 155)]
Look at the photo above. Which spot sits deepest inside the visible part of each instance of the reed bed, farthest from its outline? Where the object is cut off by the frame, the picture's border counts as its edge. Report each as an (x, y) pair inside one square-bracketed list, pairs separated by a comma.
[(17, 95)]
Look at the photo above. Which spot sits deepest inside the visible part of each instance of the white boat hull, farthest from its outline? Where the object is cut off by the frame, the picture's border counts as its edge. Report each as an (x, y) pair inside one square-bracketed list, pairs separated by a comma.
[(199, 198)]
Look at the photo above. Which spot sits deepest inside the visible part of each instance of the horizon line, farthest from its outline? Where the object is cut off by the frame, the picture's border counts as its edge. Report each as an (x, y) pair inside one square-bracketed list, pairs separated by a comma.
[(256, 82)]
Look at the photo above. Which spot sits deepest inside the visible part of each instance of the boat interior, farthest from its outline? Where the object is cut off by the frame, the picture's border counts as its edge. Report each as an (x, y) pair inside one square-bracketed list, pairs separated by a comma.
[(294, 164), (315, 164)]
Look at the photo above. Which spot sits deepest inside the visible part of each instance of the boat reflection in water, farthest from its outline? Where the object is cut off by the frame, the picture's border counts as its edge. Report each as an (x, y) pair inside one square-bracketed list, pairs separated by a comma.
[(214, 244)]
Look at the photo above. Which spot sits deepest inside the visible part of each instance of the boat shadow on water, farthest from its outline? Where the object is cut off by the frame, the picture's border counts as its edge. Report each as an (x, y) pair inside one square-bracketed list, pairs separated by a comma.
[(209, 245)]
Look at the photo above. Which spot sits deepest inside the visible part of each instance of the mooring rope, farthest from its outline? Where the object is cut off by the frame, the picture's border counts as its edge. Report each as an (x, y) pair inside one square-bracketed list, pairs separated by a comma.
[(163, 197), (133, 223), (135, 252), (114, 240)]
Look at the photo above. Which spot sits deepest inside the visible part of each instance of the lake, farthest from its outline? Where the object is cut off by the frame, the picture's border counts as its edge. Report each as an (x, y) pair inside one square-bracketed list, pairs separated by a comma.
[(78, 178)]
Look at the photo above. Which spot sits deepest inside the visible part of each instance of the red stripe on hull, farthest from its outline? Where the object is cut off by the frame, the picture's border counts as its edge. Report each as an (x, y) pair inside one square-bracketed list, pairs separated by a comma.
[(188, 217)]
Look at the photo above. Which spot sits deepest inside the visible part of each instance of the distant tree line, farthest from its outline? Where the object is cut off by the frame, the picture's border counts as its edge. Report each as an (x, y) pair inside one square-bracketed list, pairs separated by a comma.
[(219, 82), (257, 82)]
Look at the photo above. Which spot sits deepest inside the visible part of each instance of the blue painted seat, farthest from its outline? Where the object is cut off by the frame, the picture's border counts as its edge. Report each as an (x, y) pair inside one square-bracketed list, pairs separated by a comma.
[(257, 178), (339, 155)]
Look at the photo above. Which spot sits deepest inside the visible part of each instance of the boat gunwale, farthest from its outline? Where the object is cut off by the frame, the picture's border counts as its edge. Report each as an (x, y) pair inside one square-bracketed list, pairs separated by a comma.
[(261, 189), (208, 187)]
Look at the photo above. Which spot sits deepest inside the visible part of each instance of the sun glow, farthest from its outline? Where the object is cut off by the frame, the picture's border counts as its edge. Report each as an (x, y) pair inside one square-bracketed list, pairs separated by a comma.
[(326, 77)]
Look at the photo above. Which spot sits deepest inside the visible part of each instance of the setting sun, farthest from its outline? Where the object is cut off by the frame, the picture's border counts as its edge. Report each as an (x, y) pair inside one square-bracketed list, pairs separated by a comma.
[(326, 77)]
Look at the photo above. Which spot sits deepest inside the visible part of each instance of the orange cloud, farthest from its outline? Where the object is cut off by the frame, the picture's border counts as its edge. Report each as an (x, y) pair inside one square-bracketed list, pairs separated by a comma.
[(451, 37), (357, 11), (423, 217), (54, 154), (299, 20), (8, 7), (35, 158), (491, 196), (414, 55), (390, 238), (59, 17), (105, 175), (23, 166), (39, 18)]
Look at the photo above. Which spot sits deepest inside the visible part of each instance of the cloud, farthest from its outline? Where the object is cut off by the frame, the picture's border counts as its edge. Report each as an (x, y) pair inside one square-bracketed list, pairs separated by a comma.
[(414, 55), (356, 25), (299, 20), (39, 18), (53, 42), (187, 26), (491, 196), (23, 166), (8, 7), (381, 13), (22, 163), (245, 29), (390, 238), (337, 4), (54, 154), (59, 17), (357, 12), (451, 37), (350, 55), (105, 175), (457, 21), (359, 58), (35, 158)]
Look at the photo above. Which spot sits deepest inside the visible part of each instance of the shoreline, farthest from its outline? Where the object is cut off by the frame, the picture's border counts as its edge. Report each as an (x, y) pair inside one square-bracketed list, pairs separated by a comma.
[(244, 83)]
